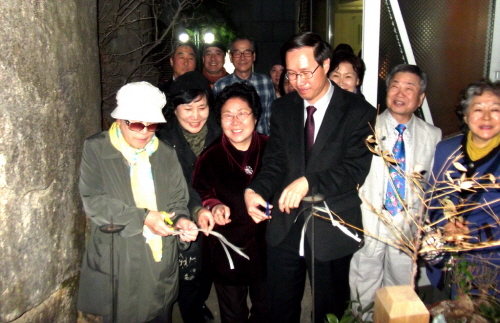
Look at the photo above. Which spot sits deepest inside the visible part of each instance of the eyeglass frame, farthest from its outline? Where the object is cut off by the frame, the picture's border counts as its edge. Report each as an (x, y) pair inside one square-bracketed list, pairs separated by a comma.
[(237, 116), (301, 74), (242, 53), (128, 123)]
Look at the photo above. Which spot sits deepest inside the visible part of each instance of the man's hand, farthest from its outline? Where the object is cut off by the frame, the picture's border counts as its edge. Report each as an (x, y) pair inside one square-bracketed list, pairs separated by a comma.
[(154, 221), (205, 220), (221, 214), (253, 201), (293, 194), (188, 230)]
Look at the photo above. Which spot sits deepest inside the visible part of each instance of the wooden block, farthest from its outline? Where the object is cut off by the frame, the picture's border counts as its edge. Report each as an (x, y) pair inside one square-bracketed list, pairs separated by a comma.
[(399, 304)]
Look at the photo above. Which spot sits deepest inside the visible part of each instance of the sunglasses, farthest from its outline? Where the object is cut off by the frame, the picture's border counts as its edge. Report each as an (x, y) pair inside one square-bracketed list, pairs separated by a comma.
[(138, 127)]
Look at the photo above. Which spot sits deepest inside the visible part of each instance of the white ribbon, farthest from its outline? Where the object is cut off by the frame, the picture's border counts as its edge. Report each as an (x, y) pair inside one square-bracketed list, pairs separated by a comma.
[(224, 244), (335, 223)]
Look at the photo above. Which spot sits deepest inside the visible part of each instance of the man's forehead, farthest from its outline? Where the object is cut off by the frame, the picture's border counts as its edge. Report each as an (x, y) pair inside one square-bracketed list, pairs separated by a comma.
[(406, 78), (184, 50), (244, 44), (305, 53), (213, 49)]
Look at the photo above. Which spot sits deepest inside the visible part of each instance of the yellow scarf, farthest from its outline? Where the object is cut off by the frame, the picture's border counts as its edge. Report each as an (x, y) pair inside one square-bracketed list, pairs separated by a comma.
[(476, 153), (141, 180)]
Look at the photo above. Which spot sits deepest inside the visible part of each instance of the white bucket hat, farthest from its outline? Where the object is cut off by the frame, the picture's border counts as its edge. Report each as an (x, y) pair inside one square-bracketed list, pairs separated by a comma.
[(139, 101)]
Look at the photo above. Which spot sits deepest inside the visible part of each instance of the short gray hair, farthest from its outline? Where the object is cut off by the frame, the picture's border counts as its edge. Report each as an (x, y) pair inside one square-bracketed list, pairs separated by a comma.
[(252, 43), (407, 68), (471, 91)]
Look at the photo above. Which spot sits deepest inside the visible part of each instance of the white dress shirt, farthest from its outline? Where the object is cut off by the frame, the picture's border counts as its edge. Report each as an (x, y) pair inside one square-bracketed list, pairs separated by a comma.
[(321, 105)]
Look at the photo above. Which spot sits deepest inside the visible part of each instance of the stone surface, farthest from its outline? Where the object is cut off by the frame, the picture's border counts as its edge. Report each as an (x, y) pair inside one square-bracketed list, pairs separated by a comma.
[(49, 103), (58, 307)]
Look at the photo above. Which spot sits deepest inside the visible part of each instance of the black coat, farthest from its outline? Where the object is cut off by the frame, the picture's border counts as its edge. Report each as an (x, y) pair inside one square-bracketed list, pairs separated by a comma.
[(172, 135), (221, 175), (339, 163)]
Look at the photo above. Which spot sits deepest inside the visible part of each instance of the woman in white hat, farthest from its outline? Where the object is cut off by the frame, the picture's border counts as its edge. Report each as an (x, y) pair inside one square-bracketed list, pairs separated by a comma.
[(128, 177)]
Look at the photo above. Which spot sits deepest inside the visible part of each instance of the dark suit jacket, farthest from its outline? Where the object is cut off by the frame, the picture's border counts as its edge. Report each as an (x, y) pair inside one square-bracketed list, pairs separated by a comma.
[(339, 164)]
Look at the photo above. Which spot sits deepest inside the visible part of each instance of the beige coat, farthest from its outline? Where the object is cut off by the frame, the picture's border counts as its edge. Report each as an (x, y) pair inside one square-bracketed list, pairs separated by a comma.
[(373, 190)]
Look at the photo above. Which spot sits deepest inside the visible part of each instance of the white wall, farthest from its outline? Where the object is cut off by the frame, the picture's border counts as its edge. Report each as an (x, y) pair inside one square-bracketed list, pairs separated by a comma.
[(370, 44), (348, 29), (495, 50)]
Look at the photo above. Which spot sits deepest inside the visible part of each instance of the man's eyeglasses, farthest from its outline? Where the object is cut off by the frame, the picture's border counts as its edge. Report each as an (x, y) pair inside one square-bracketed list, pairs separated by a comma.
[(240, 116), (246, 53), (305, 75), (138, 127)]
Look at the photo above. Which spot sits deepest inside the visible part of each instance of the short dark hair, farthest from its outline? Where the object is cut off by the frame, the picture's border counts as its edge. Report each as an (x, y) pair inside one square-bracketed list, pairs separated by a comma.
[(407, 68), (216, 44), (345, 47), (178, 44), (472, 90), (252, 43), (183, 97), (239, 90), (343, 56), (322, 49)]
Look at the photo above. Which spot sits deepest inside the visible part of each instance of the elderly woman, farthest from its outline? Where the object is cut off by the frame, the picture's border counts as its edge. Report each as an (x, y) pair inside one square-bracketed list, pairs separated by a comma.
[(478, 151), (347, 70), (128, 177), (190, 128), (221, 176)]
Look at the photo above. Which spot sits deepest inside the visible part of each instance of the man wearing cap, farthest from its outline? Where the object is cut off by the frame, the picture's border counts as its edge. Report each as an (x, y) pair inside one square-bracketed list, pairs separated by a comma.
[(214, 57), (130, 179), (243, 56), (182, 60)]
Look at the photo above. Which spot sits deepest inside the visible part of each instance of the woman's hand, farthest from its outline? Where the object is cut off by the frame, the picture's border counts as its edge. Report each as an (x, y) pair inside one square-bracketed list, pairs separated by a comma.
[(155, 222), (188, 230), (205, 220), (456, 231), (221, 214)]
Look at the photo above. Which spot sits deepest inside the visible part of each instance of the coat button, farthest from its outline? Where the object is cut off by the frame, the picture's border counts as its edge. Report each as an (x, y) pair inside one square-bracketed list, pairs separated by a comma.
[(471, 165)]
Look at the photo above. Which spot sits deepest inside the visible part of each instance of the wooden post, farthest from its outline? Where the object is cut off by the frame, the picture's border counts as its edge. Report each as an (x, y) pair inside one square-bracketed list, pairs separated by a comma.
[(399, 304)]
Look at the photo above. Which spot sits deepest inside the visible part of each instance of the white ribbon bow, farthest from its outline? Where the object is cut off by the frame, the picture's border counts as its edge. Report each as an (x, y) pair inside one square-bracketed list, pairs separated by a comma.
[(335, 223)]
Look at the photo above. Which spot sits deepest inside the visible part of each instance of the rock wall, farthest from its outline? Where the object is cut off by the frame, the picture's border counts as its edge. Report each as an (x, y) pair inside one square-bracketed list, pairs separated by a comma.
[(49, 104)]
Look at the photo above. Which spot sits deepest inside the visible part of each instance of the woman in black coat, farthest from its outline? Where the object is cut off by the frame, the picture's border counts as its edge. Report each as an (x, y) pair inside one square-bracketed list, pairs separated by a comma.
[(189, 130)]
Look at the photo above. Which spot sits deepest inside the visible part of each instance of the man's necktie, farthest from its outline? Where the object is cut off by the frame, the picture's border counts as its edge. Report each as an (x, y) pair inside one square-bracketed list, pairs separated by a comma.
[(309, 131), (392, 202)]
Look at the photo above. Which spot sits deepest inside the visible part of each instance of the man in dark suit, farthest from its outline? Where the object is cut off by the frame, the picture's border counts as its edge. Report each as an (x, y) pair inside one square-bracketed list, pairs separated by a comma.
[(333, 161)]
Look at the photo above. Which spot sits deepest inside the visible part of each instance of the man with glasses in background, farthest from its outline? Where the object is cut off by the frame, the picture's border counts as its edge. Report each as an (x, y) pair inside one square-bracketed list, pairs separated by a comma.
[(316, 146), (243, 56)]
